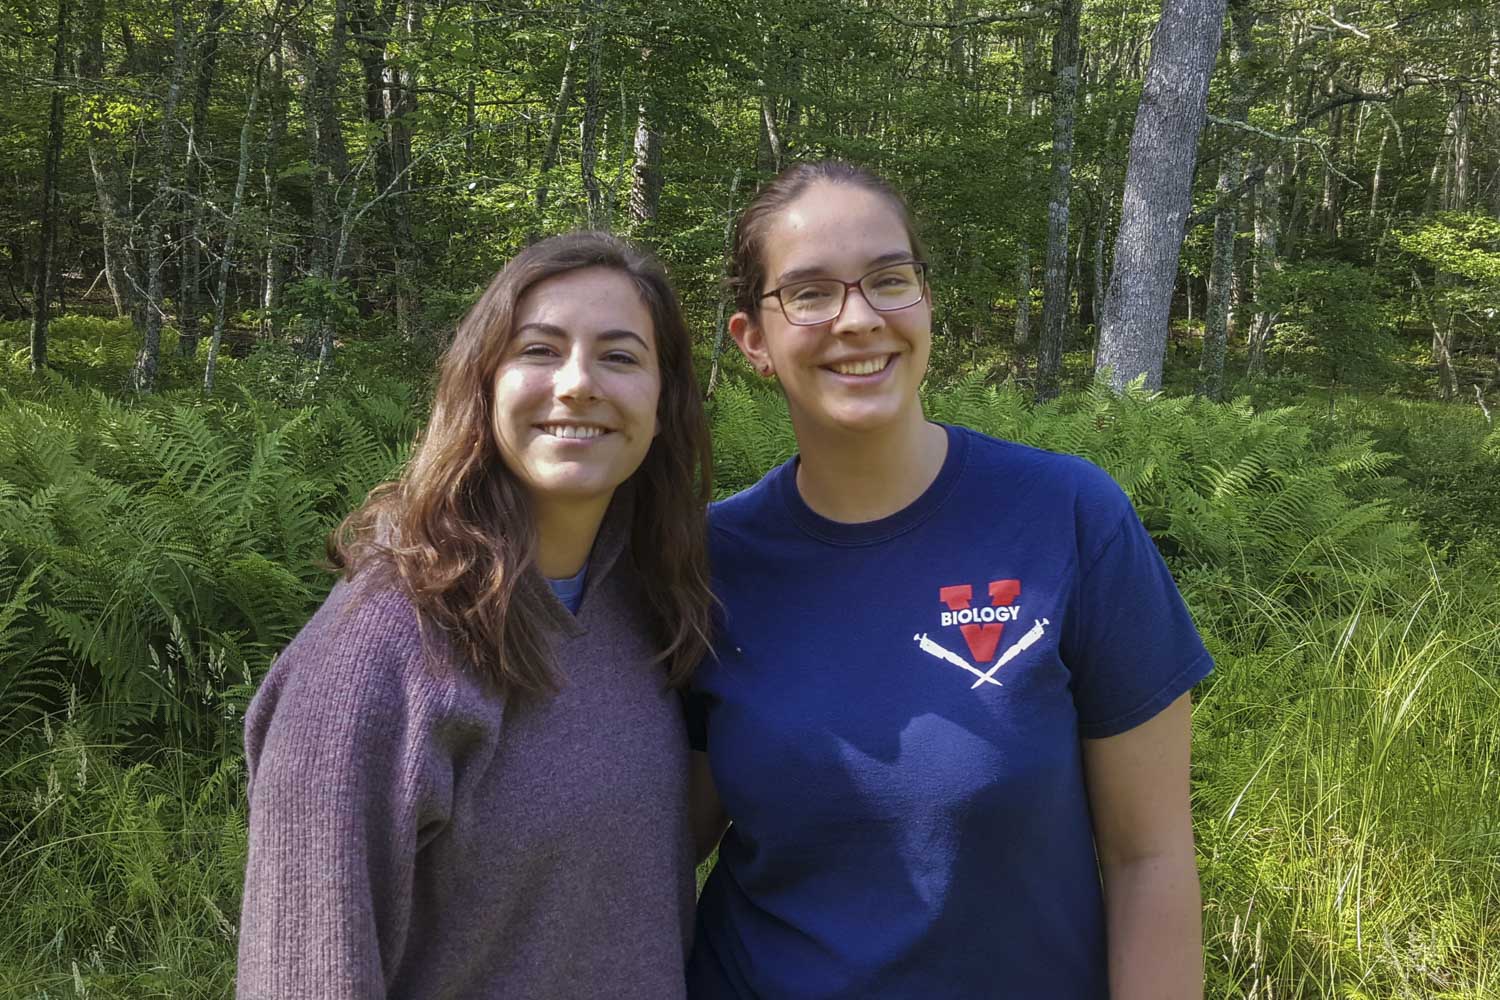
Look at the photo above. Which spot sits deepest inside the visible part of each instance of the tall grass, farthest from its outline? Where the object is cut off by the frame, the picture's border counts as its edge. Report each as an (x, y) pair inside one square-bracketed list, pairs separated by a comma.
[(1347, 778)]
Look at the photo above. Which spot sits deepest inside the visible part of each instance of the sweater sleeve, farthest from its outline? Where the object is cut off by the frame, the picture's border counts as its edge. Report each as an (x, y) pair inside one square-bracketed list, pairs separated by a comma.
[(346, 783)]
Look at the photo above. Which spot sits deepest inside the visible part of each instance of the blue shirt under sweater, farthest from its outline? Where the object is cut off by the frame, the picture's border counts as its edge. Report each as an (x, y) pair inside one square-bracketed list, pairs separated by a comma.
[(570, 591), (893, 723)]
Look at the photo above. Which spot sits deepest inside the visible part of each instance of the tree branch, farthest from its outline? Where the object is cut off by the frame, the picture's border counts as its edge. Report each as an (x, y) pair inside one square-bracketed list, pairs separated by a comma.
[(1253, 178)]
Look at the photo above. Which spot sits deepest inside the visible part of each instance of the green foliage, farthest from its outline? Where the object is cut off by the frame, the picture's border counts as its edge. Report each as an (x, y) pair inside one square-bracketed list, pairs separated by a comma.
[(1344, 801), (752, 434), (1333, 321), (168, 545), (155, 553), (1463, 245), (121, 869), (1234, 497), (1447, 473)]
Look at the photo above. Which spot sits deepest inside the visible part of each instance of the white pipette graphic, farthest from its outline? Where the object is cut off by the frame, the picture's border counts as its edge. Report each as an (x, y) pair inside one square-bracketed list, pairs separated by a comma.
[(1025, 642), (933, 649)]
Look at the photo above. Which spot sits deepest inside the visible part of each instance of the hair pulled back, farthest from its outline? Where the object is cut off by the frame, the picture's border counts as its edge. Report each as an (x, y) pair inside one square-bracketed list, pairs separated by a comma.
[(457, 530), (747, 267)]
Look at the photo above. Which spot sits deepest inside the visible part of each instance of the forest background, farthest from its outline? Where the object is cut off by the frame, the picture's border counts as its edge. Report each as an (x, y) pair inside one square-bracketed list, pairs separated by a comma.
[(236, 233)]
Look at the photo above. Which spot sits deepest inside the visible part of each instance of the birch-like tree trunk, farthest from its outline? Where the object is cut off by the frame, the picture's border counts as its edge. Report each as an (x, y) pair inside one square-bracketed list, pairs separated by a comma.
[(42, 280), (1158, 191), (120, 271), (645, 174), (401, 104), (588, 130), (1064, 113), (1227, 221), (559, 112), (1267, 224), (148, 359), (275, 134)]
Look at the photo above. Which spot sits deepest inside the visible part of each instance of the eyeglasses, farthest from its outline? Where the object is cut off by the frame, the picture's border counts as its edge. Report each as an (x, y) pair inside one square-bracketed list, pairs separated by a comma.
[(886, 289)]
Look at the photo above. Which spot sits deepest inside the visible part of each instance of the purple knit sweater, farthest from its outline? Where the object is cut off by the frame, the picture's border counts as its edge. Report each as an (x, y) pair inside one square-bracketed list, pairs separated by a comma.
[(411, 836)]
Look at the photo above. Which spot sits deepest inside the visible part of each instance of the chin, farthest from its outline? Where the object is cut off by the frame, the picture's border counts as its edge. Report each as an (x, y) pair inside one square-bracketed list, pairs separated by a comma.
[(864, 420)]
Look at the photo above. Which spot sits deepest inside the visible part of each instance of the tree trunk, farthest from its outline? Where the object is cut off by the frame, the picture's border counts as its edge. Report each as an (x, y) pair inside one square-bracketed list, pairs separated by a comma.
[(1267, 223), (720, 324), (275, 134), (242, 178), (1332, 204), (1375, 179), (1055, 288), (1227, 221), (1101, 236), (401, 95), (1493, 73), (645, 175), (329, 160), (114, 222), (559, 110), (1023, 295), (1460, 188), (42, 285), (389, 97), (1158, 191), (588, 133), (772, 133), (148, 359), (192, 256)]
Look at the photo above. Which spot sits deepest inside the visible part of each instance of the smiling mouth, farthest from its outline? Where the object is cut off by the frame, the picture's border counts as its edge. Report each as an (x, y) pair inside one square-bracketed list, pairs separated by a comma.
[(573, 432), (869, 366)]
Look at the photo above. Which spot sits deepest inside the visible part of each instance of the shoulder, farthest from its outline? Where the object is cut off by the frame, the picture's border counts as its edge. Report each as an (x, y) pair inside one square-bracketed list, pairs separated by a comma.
[(1054, 473), (1043, 485), (746, 512), (362, 669)]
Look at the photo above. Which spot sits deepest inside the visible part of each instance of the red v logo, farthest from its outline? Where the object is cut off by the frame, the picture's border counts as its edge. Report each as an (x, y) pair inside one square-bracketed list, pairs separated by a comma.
[(983, 640)]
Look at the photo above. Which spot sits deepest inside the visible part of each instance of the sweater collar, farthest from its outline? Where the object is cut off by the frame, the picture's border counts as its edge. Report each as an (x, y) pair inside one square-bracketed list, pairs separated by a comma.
[(613, 537)]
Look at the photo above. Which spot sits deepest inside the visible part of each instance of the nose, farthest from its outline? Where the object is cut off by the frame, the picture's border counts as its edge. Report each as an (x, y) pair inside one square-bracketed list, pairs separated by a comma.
[(857, 316), (575, 378)]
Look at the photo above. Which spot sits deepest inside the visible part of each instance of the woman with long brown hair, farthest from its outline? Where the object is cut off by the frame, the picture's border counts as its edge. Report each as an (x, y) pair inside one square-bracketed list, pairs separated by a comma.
[(468, 771)]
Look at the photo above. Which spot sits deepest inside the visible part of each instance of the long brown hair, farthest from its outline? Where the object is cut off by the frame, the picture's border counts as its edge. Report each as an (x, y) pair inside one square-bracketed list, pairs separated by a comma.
[(747, 267), (457, 531)]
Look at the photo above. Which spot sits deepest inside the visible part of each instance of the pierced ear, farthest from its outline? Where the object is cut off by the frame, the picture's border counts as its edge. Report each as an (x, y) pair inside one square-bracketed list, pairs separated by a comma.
[(751, 341)]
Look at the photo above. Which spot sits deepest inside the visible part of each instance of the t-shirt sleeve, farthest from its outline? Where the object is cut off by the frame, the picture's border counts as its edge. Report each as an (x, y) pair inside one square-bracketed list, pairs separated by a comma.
[(344, 785), (1130, 642)]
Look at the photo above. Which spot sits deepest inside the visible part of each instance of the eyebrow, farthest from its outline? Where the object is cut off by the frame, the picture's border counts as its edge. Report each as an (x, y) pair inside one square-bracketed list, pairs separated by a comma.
[(549, 330), (807, 273)]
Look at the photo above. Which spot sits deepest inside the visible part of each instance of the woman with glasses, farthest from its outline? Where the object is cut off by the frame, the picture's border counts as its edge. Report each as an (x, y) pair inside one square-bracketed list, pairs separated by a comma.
[(949, 694)]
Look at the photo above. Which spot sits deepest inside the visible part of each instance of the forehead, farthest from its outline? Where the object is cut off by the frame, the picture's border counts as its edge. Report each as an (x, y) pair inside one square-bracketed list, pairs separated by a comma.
[(586, 302), (833, 229)]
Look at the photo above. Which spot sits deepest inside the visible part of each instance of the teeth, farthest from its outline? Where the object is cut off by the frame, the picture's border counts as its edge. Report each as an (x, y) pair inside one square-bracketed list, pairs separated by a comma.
[(571, 431), (869, 367)]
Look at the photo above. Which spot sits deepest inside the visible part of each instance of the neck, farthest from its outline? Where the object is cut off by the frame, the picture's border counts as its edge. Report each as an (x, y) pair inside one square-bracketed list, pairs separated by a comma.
[(565, 534), (855, 477)]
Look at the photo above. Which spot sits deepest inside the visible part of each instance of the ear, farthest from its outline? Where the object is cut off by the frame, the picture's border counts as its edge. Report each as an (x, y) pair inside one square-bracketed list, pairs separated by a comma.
[(751, 340)]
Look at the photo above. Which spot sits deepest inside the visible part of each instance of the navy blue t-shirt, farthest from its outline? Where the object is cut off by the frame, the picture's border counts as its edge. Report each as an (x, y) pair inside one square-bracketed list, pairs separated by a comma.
[(893, 721)]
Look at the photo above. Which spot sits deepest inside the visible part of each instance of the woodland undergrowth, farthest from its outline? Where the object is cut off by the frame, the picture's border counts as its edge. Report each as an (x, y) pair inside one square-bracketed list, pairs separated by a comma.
[(156, 552)]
